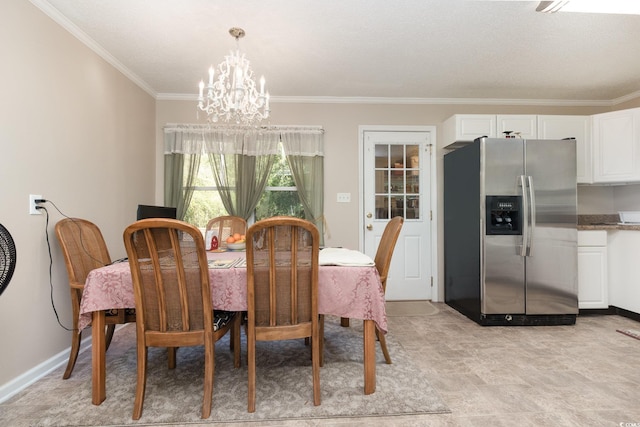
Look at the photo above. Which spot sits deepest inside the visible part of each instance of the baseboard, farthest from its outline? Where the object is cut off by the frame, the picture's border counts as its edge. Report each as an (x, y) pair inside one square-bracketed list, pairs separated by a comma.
[(23, 381), (612, 309), (626, 313)]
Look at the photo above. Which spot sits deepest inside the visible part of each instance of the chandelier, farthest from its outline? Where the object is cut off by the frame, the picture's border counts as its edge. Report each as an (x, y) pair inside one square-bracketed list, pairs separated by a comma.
[(231, 95)]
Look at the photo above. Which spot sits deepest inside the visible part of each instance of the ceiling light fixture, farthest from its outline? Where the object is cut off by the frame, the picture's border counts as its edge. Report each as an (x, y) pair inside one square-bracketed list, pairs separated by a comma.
[(231, 95), (625, 7)]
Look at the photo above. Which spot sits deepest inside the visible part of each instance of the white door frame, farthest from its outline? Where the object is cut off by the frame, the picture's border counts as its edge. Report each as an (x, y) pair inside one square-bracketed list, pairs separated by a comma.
[(433, 187)]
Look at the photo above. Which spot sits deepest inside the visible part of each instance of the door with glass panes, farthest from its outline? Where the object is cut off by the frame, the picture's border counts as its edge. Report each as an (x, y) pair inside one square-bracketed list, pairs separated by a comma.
[(396, 183)]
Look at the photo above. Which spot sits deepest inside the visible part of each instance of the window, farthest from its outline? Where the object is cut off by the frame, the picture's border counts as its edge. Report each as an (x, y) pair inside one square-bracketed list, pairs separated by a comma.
[(205, 202), (279, 198), (259, 180)]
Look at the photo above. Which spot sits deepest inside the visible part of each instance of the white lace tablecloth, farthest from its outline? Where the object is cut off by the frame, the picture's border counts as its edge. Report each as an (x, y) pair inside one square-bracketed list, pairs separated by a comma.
[(352, 291)]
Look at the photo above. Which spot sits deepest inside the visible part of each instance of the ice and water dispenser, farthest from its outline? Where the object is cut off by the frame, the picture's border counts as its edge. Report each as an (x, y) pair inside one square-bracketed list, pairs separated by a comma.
[(504, 215)]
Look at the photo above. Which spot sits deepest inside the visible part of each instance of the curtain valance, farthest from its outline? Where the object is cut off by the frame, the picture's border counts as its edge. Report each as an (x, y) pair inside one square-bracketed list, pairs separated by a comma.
[(246, 140)]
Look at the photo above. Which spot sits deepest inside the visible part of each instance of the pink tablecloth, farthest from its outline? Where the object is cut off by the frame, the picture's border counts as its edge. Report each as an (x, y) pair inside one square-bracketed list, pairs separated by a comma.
[(353, 291)]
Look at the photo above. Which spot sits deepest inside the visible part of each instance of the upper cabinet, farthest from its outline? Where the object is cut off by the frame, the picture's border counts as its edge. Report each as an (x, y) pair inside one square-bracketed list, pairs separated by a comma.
[(467, 127), (520, 125), (578, 127), (616, 145)]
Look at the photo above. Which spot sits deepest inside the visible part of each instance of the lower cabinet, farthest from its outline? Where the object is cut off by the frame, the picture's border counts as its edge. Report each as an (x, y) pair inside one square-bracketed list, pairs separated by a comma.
[(624, 269), (593, 289)]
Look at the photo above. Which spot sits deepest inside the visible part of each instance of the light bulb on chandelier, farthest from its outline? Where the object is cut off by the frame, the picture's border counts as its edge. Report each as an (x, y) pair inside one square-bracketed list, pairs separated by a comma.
[(231, 95)]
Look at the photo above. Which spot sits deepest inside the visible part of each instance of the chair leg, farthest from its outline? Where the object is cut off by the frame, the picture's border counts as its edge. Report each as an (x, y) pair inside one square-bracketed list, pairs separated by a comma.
[(315, 364), (209, 370), (76, 337), (251, 369), (236, 329), (321, 339), (171, 357), (383, 345), (141, 381), (109, 336)]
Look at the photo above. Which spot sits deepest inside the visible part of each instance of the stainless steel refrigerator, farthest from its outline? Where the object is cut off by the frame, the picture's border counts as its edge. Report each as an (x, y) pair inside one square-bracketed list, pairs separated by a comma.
[(510, 237)]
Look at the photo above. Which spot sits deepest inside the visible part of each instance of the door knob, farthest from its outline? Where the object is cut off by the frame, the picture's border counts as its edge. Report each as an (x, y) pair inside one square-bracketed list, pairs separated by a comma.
[(369, 227)]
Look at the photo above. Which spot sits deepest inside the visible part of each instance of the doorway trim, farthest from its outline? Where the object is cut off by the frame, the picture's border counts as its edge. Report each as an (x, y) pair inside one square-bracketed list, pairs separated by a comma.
[(432, 184)]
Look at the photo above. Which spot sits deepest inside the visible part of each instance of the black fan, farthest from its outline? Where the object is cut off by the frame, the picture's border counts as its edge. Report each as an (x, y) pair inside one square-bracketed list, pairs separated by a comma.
[(7, 258)]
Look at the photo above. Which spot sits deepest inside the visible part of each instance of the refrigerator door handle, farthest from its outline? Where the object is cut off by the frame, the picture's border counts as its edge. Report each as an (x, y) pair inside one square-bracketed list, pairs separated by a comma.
[(532, 213), (525, 216)]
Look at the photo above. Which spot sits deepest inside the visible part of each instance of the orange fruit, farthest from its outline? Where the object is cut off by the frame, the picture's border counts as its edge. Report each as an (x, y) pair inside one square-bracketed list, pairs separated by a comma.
[(230, 239), (236, 236)]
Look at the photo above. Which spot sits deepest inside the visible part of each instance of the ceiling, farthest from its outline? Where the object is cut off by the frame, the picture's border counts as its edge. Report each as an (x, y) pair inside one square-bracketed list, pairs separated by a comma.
[(419, 51)]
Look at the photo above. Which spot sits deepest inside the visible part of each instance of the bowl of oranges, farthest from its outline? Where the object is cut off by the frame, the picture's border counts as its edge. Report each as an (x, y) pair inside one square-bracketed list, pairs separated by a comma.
[(236, 242)]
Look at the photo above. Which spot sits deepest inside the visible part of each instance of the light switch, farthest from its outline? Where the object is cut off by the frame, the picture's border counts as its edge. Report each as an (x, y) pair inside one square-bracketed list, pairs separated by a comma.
[(344, 197)]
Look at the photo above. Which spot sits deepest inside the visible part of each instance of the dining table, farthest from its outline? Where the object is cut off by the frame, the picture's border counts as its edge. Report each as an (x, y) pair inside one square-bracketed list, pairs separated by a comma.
[(349, 286)]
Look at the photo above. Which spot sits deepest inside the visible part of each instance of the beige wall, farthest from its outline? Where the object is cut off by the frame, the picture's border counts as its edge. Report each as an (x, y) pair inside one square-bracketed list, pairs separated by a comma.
[(81, 134)]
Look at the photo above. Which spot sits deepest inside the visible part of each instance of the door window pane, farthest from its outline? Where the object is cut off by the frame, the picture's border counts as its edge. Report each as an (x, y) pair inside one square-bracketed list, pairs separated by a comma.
[(397, 181)]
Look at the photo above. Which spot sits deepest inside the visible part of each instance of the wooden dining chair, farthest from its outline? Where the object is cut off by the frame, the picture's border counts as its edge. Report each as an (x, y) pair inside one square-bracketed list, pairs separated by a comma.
[(282, 290), (173, 299), (382, 261), (84, 249), (226, 226)]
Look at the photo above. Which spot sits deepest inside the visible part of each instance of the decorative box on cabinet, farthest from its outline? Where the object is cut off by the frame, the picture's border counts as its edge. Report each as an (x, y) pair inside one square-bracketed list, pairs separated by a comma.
[(592, 269), (578, 127), (616, 146)]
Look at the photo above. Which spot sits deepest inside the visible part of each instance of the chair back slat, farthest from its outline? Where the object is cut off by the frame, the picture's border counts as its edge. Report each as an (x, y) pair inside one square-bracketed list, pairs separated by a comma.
[(282, 271), (167, 271)]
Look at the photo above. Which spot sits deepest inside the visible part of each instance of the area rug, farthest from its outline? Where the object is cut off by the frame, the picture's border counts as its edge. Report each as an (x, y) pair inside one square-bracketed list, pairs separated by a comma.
[(284, 386), (410, 308)]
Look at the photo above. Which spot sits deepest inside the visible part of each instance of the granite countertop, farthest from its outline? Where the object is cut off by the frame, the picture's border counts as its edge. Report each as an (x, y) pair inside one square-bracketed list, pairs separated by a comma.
[(604, 222)]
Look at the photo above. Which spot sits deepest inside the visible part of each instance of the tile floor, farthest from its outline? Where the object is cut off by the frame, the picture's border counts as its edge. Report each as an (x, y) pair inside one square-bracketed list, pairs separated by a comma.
[(582, 375)]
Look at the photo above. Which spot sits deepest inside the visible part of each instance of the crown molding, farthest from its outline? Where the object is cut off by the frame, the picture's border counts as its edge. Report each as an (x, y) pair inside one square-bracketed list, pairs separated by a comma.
[(625, 98), (61, 20), (415, 101)]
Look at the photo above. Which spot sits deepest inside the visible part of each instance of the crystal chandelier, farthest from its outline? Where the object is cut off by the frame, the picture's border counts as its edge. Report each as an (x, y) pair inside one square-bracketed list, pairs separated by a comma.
[(231, 95)]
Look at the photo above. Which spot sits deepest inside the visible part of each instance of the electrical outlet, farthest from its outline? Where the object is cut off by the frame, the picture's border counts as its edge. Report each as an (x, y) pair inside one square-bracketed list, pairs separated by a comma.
[(32, 204), (344, 197)]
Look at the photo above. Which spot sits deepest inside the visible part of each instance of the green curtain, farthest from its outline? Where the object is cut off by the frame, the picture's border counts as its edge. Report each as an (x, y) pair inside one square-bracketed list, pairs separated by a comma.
[(305, 154), (181, 164), (241, 159)]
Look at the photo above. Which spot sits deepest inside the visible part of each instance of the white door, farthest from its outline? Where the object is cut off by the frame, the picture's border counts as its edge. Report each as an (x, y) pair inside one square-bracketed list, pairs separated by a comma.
[(396, 169)]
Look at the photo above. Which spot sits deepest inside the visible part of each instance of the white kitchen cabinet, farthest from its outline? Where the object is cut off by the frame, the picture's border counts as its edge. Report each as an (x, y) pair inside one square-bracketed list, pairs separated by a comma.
[(592, 269), (616, 146), (624, 269), (522, 125), (467, 127), (578, 127)]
